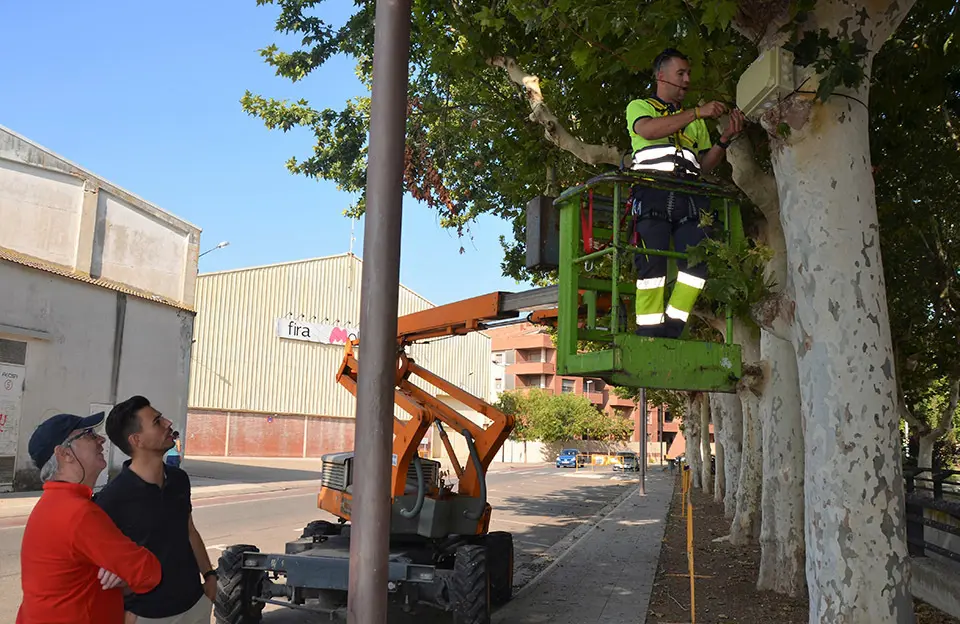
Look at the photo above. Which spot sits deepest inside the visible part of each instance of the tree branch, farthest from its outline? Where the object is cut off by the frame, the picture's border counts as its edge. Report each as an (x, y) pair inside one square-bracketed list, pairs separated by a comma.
[(776, 314), (887, 16), (759, 186), (924, 430), (921, 427), (949, 123), (946, 418), (553, 130), (753, 378)]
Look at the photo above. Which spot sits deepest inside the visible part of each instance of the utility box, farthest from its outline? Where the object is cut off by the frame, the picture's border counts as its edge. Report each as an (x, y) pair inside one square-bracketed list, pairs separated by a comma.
[(769, 79), (543, 234)]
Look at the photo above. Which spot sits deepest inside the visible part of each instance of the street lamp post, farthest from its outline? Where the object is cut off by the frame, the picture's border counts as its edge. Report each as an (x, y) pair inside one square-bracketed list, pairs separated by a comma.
[(379, 292), (643, 441), (220, 245)]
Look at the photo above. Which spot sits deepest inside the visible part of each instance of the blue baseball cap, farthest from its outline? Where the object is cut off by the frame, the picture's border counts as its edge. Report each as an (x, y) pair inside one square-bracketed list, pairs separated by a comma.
[(55, 430)]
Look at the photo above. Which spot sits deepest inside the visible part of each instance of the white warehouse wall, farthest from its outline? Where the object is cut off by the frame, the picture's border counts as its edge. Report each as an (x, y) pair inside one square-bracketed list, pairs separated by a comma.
[(69, 327)]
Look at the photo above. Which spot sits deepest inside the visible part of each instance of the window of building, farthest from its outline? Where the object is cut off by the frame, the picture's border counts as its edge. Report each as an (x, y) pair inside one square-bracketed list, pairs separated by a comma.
[(568, 385), (13, 352), (498, 358), (498, 384)]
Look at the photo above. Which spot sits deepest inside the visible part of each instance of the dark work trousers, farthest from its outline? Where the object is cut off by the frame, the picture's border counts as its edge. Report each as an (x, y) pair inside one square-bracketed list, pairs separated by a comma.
[(660, 215)]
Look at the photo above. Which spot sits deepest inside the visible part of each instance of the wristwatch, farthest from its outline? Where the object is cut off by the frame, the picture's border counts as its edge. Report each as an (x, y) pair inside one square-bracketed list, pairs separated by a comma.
[(209, 573), (723, 144)]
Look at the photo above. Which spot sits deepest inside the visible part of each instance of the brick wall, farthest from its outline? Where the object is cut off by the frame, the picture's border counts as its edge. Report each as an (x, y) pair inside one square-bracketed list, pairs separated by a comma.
[(246, 434)]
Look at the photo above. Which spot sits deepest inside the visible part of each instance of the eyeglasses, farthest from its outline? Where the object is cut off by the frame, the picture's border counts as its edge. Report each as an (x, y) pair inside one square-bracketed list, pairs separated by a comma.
[(87, 433)]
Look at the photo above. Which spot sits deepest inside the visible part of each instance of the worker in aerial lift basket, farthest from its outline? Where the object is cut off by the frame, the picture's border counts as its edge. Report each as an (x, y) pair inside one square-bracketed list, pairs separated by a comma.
[(668, 139)]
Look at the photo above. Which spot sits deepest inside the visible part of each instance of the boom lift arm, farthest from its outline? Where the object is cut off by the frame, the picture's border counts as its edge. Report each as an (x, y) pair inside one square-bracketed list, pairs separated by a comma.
[(426, 410)]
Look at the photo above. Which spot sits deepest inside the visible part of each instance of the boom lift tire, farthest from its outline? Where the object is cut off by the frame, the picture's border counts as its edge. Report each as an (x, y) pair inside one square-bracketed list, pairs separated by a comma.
[(500, 561), (471, 585), (236, 588), (318, 528)]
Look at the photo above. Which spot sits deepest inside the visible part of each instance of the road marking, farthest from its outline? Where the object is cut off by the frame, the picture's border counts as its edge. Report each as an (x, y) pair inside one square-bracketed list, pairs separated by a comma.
[(217, 547), (251, 500), (538, 544), (527, 524)]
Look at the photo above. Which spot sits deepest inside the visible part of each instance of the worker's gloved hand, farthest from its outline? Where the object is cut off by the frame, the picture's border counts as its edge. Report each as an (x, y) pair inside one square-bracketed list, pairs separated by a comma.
[(734, 127), (712, 110)]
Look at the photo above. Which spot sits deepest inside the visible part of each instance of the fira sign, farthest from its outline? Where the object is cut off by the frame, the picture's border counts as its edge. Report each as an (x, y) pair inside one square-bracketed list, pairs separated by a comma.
[(323, 333)]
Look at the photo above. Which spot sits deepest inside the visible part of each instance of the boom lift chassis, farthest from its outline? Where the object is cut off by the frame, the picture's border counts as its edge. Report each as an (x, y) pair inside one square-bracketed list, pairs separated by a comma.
[(442, 554)]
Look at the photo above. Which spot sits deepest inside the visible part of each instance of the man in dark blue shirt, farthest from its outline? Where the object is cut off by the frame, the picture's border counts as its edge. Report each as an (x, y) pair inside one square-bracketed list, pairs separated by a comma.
[(150, 503)]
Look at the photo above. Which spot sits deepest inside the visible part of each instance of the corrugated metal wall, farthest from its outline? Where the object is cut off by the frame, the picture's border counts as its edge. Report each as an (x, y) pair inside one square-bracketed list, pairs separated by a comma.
[(239, 363)]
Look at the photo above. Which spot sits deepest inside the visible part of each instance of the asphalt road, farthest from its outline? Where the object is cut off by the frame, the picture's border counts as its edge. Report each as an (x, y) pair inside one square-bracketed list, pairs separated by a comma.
[(538, 505)]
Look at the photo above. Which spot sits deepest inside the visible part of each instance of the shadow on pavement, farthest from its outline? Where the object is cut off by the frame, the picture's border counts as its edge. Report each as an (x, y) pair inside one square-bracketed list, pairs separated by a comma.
[(536, 522), (243, 473)]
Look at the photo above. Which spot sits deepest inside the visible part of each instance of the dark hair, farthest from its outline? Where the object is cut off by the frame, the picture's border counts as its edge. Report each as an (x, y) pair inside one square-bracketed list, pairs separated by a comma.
[(123, 422), (666, 55)]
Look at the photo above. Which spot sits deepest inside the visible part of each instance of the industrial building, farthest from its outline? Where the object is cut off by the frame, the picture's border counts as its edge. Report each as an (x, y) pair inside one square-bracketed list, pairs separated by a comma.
[(96, 300), (268, 343)]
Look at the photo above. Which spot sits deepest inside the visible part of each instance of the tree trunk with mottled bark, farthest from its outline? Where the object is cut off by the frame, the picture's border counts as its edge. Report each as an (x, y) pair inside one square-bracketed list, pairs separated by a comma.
[(745, 527), (732, 432), (706, 474), (856, 565), (782, 554), (691, 430), (719, 481)]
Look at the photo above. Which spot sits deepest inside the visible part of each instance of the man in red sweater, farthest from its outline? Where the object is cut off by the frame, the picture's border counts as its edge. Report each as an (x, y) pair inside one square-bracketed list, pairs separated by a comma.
[(75, 563)]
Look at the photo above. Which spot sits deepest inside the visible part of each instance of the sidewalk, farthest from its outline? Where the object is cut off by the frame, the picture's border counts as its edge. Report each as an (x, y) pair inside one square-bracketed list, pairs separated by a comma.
[(223, 476), (607, 574)]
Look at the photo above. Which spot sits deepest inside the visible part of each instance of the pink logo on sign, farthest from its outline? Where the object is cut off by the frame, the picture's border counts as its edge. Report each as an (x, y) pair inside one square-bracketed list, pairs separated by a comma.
[(338, 335)]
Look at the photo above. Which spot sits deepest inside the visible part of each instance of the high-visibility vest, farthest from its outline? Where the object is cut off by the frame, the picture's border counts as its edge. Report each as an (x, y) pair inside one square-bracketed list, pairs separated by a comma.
[(677, 153)]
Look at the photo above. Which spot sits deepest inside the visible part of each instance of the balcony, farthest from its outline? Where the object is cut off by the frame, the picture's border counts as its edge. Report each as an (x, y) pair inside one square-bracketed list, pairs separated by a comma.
[(523, 341), (594, 397), (668, 427), (614, 401), (532, 368)]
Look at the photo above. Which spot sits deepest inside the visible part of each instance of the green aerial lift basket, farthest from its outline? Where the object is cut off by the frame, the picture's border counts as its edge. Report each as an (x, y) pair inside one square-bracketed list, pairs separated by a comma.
[(590, 272)]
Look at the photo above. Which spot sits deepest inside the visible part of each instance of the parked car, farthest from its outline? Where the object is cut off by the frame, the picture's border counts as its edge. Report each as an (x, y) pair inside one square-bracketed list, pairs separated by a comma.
[(627, 462), (570, 458)]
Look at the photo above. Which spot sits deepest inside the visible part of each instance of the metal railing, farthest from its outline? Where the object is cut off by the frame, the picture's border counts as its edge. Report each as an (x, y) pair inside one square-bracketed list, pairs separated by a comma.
[(933, 512)]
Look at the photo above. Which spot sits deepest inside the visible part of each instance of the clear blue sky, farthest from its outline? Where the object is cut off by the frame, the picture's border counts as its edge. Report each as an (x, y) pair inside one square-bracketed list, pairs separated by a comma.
[(146, 94)]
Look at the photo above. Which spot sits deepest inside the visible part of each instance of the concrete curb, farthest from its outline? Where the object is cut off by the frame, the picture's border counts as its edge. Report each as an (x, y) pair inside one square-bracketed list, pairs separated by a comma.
[(230, 489), (528, 575)]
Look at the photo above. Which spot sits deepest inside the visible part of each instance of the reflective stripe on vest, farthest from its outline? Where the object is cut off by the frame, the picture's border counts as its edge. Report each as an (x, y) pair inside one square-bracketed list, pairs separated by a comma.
[(667, 158)]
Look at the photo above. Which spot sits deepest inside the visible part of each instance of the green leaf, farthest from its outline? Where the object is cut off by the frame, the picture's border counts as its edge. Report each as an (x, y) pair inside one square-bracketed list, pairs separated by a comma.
[(828, 83), (581, 56)]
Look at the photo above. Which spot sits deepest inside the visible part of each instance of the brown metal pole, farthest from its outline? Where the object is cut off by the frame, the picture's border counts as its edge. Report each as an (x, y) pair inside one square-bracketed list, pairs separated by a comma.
[(643, 441), (660, 433), (379, 290)]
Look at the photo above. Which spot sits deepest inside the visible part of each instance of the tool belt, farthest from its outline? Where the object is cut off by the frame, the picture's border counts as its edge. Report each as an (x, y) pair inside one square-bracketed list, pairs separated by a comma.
[(673, 206)]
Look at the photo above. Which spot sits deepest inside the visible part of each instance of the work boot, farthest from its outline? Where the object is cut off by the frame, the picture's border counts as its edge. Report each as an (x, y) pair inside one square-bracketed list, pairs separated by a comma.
[(651, 331), (673, 328)]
